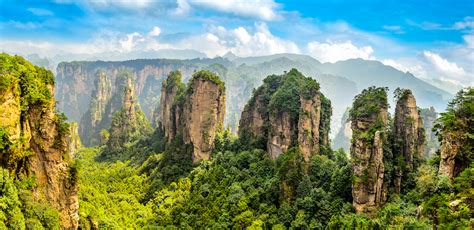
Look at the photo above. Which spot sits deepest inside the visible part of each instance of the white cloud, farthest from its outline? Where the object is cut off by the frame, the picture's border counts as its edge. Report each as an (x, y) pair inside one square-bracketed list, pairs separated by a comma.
[(449, 69), (240, 41), (40, 12), (155, 32), (337, 51), (183, 7), (469, 39), (408, 65), (395, 29), (262, 9), (135, 4), (21, 25), (466, 24)]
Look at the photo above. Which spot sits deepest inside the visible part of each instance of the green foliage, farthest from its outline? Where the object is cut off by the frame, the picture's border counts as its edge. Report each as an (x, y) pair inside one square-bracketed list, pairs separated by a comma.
[(208, 75), (109, 194), (24, 79), (287, 97), (10, 212), (173, 80), (457, 124), (369, 102)]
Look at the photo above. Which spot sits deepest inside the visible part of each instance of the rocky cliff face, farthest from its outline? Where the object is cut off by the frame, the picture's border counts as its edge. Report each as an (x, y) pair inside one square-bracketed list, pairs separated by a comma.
[(92, 119), (369, 119), (455, 130), (165, 113), (73, 140), (287, 110), (34, 137), (129, 123), (74, 81), (203, 114), (409, 137), (194, 114), (429, 117)]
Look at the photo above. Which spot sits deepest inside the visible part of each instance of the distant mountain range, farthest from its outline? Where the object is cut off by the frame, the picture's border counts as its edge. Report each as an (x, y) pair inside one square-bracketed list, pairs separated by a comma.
[(339, 81)]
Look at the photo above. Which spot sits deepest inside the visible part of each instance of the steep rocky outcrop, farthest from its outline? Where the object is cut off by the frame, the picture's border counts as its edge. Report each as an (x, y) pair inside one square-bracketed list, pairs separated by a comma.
[(34, 138), (286, 111), (106, 101), (369, 119), (129, 123), (92, 119), (194, 114), (343, 136), (455, 130), (203, 113), (165, 113), (409, 137), (73, 140), (429, 116)]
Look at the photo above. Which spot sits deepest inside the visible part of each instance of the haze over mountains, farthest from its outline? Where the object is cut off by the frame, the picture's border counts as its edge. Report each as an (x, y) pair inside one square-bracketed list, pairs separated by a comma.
[(340, 81)]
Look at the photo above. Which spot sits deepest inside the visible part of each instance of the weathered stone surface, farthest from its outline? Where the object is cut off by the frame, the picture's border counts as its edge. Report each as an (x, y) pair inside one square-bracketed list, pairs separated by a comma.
[(37, 129), (203, 113), (254, 118), (282, 128), (449, 150), (194, 114), (368, 127), (280, 135), (90, 124), (73, 140), (409, 136), (129, 123), (308, 126), (166, 110)]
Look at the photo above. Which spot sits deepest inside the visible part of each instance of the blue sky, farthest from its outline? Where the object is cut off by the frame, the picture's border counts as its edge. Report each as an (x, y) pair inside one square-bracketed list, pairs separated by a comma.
[(432, 39)]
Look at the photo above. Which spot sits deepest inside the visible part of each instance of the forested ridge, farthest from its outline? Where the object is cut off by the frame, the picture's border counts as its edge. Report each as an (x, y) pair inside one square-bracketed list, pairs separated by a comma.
[(278, 172)]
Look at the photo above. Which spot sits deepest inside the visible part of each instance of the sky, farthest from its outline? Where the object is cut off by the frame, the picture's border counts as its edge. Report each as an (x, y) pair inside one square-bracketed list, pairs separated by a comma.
[(434, 39)]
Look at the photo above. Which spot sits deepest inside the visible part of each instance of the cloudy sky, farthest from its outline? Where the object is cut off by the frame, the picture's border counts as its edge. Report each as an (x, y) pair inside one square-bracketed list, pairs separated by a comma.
[(431, 39)]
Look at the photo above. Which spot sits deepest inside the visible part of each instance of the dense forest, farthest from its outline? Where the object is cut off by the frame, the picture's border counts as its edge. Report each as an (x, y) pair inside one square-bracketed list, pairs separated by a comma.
[(190, 172)]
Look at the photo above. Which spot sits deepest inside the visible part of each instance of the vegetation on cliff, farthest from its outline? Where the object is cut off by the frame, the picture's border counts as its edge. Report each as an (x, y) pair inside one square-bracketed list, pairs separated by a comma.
[(37, 179)]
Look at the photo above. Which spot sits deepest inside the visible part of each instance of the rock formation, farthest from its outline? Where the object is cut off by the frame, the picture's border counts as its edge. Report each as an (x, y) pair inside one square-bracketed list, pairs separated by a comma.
[(286, 111), (34, 137), (129, 123), (194, 114), (73, 140), (429, 117), (170, 89), (409, 137), (455, 130), (106, 101), (92, 119), (369, 118), (203, 113)]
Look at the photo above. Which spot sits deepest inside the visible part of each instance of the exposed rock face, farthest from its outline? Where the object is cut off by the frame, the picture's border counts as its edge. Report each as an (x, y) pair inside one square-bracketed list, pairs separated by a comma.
[(369, 118), (92, 119), (129, 123), (280, 134), (449, 150), (106, 101), (429, 117), (37, 137), (254, 118), (74, 81), (171, 87), (73, 140), (302, 118), (194, 114), (409, 136), (203, 114), (455, 130)]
